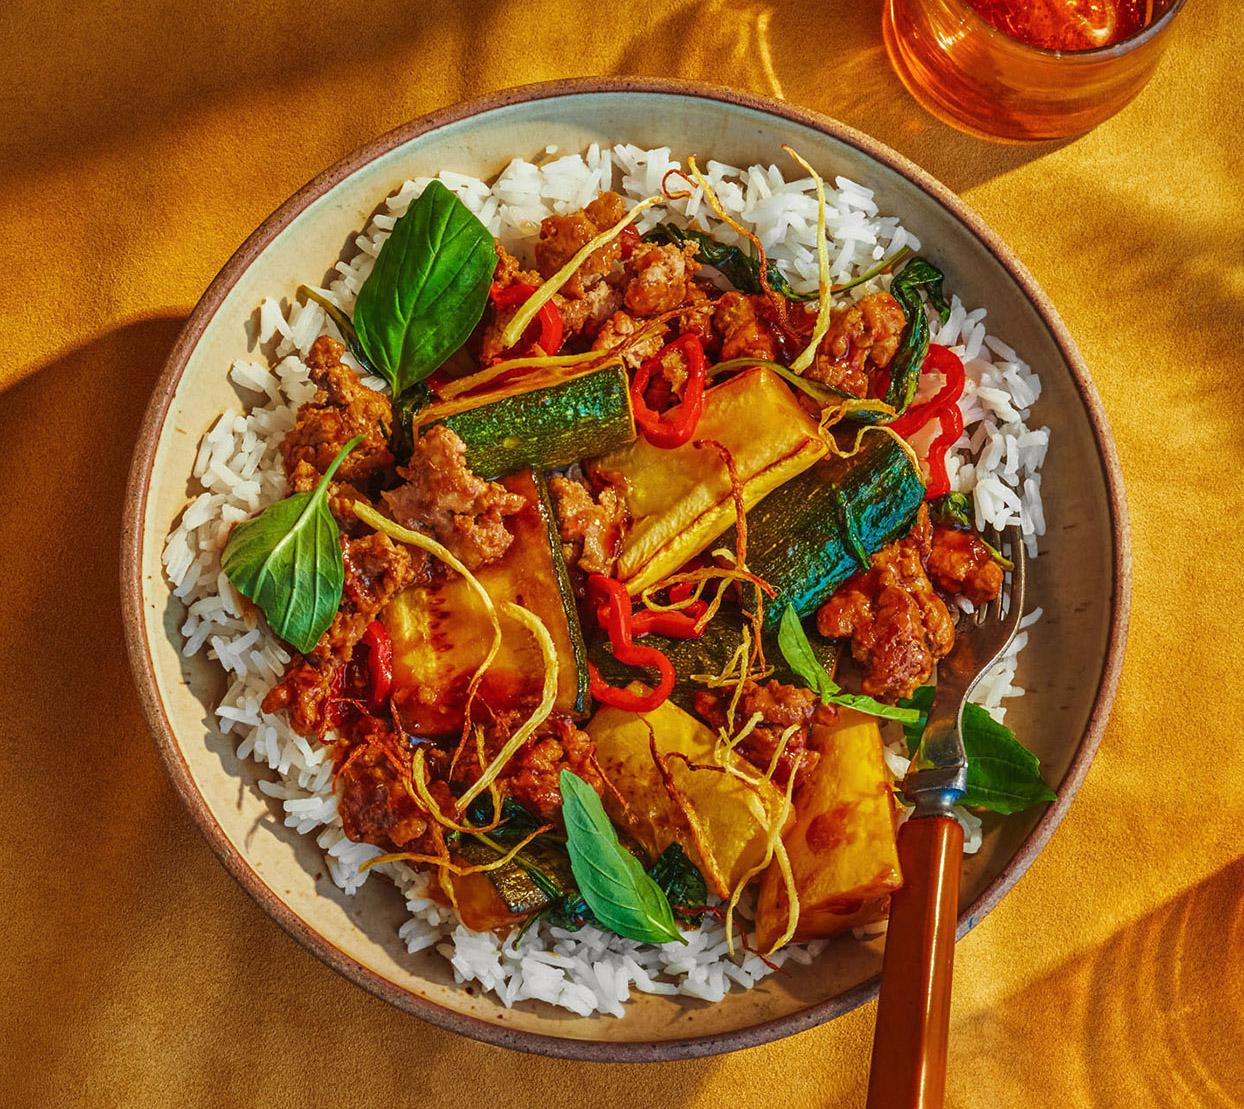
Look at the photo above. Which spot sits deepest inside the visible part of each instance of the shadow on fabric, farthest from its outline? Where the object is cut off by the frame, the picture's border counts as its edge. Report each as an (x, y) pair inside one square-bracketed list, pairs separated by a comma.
[(128, 87), (1153, 1016)]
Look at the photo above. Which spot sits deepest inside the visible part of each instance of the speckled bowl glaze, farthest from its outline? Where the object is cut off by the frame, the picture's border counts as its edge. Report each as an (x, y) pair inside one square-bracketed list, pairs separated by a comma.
[(1081, 579)]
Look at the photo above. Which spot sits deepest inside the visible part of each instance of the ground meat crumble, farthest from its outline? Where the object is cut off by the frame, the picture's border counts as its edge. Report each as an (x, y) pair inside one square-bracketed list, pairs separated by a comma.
[(592, 528), (342, 408), (961, 563), (898, 625), (442, 495), (780, 706)]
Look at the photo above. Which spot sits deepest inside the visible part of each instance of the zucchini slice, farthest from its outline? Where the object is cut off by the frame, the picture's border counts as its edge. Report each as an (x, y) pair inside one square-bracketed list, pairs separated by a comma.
[(520, 892), (806, 538), (707, 655), (547, 428), (440, 632)]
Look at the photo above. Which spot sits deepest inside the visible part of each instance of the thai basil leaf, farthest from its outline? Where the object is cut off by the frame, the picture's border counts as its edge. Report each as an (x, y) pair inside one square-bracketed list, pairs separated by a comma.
[(884, 266), (288, 561), (402, 435), (427, 290), (343, 323), (914, 342), (545, 863), (1003, 775), (799, 656), (681, 882), (952, 510), (913, 346), (920, 273), (741, 269), (795, 648), (516, 821), (622, 897)]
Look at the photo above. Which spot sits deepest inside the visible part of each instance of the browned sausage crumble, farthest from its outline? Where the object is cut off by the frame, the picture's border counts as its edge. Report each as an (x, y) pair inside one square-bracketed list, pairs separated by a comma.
[(898, 625), (592, 528), (779, 707), (441, 494)]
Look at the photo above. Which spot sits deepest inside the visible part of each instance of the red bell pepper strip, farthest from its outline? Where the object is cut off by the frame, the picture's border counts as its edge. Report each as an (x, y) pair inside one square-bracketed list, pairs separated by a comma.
[(628, 240), (952, 428), (675, 624), (548, 319), (678, 624), (379, 664), (943, 407), (612, 598), (657, 429), (939, 360)]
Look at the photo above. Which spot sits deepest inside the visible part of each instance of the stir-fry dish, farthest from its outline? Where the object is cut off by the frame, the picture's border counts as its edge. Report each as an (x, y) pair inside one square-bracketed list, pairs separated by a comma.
[(601, 603)]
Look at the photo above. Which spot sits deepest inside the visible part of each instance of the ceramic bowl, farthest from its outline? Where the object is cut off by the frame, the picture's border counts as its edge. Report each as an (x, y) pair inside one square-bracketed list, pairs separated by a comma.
[(1080, 580)]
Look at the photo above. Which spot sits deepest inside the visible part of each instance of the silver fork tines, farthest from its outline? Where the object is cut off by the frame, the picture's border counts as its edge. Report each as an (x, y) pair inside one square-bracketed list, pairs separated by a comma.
[(937, 776)]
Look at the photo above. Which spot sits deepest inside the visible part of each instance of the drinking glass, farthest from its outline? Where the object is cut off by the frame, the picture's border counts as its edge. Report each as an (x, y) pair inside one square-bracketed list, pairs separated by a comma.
[(982, 81)]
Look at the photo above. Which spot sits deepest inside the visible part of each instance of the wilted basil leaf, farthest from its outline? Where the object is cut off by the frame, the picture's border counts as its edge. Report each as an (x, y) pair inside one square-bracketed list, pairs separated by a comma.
[(740, 269), (795, 648), (681, 882)]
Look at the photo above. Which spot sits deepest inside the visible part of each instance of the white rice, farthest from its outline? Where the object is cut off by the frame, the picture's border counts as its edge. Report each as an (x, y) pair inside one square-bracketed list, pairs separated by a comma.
[(238, 469)]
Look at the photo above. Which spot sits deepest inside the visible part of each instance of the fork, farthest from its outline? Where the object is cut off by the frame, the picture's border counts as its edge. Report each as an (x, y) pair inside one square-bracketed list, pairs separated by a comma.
[(913, 1014)]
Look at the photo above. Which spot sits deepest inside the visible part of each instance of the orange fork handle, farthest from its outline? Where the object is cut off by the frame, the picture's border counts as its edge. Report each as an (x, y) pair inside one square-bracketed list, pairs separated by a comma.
[(913, 1014)]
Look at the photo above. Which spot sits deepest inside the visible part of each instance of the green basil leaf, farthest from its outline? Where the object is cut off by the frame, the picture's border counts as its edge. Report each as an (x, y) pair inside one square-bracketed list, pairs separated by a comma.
[(1003, 775), (622, 897), (681, 882), (288, 561), (953, 510), (799, 656), (913, 343), (884, 266), (402, 435), (918, 274), (871, 707), (427, 290), (517, 821)]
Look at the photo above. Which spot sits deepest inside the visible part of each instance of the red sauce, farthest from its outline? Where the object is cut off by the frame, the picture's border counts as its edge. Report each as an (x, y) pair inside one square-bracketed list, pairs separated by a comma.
[(1068, 24), (830, 829)]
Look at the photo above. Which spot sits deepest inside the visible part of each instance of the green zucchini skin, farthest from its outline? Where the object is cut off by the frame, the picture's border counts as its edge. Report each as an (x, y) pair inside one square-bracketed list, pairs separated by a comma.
[(522, 893), (805, 538), (707, 655), (565, 590), (548, 428)]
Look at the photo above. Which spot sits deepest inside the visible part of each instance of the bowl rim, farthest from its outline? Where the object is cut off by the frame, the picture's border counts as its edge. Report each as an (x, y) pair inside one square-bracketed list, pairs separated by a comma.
[(141, 659)]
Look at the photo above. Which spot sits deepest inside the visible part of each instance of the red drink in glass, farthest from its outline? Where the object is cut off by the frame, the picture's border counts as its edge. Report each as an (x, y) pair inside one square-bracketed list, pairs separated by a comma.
[(1026, 70)]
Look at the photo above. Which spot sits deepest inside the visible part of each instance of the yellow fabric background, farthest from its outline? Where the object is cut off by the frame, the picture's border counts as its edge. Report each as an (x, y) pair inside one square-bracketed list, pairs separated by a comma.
[(143, 141)]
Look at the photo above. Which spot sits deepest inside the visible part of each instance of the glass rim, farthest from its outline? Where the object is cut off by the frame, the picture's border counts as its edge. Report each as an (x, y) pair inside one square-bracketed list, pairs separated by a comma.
[(1092, 53)]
